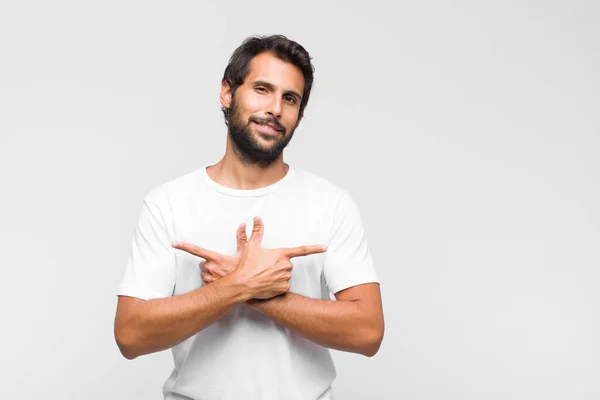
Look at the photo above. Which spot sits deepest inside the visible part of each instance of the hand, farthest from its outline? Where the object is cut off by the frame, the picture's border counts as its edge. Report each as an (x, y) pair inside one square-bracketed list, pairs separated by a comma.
[(216, 265), (266, 272)]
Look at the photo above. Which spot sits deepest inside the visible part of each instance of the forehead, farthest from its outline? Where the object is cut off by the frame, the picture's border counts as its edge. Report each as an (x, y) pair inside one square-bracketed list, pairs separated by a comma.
[(267, 67)]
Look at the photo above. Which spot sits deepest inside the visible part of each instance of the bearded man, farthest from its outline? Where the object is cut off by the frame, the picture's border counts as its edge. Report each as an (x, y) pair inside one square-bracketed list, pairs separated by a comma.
[(250, 317)]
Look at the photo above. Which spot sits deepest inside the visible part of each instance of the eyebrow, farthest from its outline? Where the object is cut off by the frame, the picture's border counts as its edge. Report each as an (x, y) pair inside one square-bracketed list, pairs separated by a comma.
[(270, 86)]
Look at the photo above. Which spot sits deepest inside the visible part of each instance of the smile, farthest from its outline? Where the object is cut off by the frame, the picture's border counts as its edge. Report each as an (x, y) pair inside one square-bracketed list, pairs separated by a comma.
[(268, 128)]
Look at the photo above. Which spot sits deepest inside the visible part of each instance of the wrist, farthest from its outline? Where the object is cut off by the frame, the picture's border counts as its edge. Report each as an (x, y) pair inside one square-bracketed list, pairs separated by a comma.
[(242, 292), (259, 305), (263, 305), (251, 303)]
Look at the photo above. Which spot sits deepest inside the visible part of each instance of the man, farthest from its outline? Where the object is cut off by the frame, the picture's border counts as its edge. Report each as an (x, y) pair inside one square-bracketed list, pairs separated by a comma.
[(256, 320)]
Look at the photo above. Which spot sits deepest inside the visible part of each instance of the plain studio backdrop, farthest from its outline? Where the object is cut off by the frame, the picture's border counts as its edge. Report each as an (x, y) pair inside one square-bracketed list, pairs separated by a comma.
[(467, 132)]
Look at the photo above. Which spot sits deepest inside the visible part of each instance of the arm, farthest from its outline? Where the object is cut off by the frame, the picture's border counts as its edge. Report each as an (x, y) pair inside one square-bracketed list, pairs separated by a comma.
[(143, 327), (353, 323), (148, 326)]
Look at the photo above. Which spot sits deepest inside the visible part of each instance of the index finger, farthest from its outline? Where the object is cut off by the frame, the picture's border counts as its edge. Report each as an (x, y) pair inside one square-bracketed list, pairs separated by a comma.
[(197, 251), (304, 250)]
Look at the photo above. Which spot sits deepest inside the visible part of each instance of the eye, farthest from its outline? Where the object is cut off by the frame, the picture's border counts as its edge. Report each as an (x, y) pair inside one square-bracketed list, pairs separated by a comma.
[(260, 89), (290, 99)]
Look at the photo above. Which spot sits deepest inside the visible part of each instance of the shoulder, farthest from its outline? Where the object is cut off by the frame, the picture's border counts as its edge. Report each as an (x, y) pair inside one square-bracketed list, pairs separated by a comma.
[(337, 201), (168, 191), (318, 185)]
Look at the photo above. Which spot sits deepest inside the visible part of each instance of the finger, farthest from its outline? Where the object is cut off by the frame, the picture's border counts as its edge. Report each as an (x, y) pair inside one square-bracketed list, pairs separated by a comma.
[(206, 277), (217, 271), (197, 251), (257, 230), (300, 251), (202, 265), (242, 239), (206, 266), (213, 268)]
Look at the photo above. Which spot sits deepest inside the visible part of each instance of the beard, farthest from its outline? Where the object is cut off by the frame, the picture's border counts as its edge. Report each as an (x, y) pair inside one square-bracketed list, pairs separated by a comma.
[(247, 145)]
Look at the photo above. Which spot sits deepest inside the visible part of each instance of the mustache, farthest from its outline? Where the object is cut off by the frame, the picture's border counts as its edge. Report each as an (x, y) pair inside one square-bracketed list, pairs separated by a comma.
[(267, 120)]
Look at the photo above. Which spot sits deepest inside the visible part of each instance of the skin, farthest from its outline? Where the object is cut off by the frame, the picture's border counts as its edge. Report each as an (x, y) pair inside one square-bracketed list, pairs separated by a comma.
[(262, 102), (352, 323), (253, 276)]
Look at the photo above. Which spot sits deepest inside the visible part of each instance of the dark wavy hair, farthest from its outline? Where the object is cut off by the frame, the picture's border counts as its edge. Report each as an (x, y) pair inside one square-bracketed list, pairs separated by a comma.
[(278, 45)]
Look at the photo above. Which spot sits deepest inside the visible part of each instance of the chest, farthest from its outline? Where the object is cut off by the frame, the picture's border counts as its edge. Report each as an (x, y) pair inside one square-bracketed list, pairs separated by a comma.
[(287, 223)]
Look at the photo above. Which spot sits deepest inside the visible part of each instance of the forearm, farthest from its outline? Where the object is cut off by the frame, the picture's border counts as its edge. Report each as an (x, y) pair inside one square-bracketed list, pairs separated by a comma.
[(341, 325), (159, 324)]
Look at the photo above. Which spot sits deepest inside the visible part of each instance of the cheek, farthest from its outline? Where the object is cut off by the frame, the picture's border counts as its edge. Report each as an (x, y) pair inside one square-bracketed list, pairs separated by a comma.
[(255, 103), (290, 121)]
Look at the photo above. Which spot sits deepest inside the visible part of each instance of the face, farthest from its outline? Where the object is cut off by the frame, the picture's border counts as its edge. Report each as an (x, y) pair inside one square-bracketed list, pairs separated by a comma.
[(263, 112)]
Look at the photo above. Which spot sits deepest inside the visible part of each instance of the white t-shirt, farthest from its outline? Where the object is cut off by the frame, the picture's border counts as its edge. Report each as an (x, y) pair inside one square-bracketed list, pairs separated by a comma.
[(245, 355)]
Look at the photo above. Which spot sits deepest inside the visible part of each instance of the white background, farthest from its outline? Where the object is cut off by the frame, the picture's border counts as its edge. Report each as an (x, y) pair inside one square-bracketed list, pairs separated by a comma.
[(467, 132)]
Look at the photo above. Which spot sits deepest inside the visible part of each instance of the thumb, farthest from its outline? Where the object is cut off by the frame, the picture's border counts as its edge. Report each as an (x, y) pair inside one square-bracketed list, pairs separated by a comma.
[(241, 237), (257, 231)]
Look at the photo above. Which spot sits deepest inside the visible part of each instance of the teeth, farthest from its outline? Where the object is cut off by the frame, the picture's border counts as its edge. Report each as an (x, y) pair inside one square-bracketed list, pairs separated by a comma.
[(268, 127)]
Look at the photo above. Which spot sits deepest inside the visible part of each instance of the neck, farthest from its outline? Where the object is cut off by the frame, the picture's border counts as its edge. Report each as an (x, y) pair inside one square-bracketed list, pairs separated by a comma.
[(231, 171)]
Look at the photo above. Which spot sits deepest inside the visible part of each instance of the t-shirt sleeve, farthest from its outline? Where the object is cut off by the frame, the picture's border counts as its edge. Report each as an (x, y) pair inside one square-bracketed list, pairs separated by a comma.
[(151, 268), (348, 260)]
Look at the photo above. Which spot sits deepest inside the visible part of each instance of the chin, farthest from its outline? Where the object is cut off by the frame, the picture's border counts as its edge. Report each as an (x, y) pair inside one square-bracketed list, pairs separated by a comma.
[(265, 141)]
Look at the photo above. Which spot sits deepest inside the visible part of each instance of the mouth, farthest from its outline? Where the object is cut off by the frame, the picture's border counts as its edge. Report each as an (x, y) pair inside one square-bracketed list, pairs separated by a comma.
[(268, 128)]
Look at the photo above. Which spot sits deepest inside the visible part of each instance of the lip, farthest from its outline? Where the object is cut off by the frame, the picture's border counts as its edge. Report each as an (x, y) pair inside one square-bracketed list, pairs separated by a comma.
[(268, 128)]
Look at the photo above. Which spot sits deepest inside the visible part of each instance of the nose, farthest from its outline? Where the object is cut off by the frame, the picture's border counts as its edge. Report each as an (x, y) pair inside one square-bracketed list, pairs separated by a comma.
[(274, 107)]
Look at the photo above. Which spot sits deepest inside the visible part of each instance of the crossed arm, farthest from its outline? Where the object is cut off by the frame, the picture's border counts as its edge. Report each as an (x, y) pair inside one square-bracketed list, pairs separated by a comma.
[(353, 323)]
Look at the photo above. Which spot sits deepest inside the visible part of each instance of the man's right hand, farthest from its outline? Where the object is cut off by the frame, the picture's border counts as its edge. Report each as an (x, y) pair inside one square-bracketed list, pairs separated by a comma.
[(264, 272), (267, 272)]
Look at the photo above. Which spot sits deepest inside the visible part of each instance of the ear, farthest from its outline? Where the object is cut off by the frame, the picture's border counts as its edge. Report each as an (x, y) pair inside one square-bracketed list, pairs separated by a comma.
[(225, 94)]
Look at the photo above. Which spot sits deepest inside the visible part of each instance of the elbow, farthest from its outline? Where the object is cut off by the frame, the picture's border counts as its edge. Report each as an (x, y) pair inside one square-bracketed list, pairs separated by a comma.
[(372, 341), (128, 353), (126, 343)]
